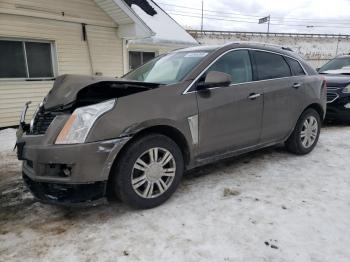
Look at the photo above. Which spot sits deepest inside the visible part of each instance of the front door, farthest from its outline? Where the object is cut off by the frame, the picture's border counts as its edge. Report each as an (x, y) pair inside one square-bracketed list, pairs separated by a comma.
[(230, 117)]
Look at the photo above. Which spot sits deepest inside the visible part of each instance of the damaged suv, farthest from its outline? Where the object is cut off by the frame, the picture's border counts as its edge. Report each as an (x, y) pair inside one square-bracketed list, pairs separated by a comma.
[(134, 137)]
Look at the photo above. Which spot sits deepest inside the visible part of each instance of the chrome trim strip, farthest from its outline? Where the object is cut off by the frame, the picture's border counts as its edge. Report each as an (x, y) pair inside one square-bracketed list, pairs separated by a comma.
[(193, 123), (332, 88), (232, 50), (331, 101)]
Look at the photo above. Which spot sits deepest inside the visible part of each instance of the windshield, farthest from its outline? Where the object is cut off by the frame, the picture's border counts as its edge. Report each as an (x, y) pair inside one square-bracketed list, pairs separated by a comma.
[(167, 69), (335, 64)]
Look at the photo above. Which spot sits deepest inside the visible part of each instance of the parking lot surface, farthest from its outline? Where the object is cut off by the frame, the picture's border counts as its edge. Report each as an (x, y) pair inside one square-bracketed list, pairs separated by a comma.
[(264, 206)]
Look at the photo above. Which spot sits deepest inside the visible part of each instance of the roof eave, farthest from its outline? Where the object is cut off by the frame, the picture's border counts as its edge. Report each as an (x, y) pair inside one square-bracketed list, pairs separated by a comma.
[(141, 26)]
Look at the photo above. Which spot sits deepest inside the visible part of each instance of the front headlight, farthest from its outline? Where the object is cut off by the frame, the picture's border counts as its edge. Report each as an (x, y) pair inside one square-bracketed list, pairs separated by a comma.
[(80, 122), (346, 89)]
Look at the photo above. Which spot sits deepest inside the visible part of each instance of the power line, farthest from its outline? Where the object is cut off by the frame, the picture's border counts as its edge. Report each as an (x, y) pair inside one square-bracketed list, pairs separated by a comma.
[(239, 21), (255, 16), (250, 20)]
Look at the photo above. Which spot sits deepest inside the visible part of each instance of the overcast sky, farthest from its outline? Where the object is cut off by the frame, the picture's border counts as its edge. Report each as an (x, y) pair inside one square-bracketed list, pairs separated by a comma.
[(309, 16)]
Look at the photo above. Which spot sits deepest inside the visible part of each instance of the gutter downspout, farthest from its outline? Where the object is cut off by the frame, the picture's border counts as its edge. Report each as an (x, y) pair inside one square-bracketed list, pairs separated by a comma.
[(86, 39), (125, 57)]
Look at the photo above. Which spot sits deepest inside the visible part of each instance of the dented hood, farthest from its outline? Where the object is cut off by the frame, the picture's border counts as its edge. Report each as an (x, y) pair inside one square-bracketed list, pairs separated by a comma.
[(66, 88)]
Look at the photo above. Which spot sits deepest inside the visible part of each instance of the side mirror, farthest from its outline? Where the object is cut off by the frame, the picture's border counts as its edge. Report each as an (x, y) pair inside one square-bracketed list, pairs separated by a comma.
[(318, 69), (215, 79)]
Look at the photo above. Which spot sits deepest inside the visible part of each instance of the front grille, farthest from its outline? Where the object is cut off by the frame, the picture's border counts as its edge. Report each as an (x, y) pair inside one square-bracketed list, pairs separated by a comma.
[(331, 97), (332, 88), (41, 122)]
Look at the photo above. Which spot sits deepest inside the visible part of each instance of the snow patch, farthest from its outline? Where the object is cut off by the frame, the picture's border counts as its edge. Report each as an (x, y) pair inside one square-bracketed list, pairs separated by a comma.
[(7, 139)]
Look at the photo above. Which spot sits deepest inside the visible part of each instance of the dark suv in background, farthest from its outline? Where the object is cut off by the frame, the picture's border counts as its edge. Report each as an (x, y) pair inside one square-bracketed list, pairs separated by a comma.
[(337, 75), (135, 136)]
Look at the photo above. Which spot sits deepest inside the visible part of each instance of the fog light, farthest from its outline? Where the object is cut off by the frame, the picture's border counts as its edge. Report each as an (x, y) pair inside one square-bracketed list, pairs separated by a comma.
[(347, 105)]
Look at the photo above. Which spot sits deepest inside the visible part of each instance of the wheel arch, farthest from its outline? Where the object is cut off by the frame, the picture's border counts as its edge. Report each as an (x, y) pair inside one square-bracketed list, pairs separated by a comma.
[(173, 133), (315, 106), (318, 108)]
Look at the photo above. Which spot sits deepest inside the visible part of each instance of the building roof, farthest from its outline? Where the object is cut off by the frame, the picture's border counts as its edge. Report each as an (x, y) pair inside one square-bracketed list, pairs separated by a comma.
[(165, 29), (130, 24), (145, 22)]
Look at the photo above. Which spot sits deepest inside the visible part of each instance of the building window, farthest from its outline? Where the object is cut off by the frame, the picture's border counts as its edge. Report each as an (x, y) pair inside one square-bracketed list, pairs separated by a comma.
[(26, 60), (137, 58)]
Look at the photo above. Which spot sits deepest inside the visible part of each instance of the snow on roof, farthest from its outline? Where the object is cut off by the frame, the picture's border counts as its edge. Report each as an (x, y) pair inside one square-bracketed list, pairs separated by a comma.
[(166, 30)]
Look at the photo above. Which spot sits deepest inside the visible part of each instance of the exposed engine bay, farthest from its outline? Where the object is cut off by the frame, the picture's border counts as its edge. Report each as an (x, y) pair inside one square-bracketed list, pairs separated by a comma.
[(70, 92)]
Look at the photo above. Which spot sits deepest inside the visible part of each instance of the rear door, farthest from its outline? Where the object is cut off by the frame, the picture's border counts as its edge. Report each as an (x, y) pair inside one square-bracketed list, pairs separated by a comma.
[(282, 90), (230, 117)]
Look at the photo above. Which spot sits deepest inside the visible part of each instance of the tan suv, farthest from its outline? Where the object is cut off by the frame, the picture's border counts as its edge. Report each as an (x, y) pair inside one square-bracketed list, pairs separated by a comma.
[(135, 136)]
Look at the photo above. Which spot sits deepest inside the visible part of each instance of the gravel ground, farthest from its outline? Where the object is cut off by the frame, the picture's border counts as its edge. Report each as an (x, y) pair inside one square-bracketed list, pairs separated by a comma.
[(264, 206)]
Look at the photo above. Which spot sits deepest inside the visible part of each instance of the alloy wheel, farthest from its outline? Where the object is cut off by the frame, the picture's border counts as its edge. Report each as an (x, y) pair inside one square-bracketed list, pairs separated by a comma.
[(309, 131), (153, 172)]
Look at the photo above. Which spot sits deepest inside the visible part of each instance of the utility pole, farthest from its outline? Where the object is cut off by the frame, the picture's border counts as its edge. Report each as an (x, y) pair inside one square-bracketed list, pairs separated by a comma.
[(268, 24), (202, 18), (336, 51)]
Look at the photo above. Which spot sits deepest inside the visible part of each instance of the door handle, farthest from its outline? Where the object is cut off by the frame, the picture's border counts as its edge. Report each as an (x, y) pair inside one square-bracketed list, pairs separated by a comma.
[(296, 85), (253, 96)]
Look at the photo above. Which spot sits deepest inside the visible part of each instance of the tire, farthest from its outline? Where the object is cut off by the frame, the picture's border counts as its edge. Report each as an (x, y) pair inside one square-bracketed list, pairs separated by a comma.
[(141, 183), (296, 143)]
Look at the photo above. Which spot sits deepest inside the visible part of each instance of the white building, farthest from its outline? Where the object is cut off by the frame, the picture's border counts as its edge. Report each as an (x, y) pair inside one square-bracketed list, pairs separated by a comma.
[(316, 48), (41, 39)]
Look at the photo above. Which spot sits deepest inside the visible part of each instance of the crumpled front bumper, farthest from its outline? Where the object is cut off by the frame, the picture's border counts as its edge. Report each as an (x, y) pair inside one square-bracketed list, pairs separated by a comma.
[(67, 174), (67, 194)]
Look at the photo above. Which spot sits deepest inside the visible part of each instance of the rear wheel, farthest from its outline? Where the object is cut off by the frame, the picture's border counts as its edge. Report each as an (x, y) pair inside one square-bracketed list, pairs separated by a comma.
[(306, 133), (149, 171)]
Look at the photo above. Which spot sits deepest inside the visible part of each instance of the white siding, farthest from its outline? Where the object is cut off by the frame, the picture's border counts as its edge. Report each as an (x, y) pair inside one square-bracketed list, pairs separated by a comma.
[(71, 52), (14, 94), (78, 10), (106, 50)]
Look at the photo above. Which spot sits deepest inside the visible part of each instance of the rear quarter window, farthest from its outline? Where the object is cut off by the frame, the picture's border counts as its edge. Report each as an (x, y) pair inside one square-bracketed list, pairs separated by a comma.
[(295, 66), (270, 65)]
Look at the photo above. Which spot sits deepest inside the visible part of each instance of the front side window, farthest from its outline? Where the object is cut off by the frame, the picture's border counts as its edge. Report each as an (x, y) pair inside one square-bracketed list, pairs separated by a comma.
[(25, 59), (236, 64), (270, 66), (167, 69)]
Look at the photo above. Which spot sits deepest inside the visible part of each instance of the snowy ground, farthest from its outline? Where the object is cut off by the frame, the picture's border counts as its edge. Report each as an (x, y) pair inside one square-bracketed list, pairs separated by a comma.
[(265, 206)]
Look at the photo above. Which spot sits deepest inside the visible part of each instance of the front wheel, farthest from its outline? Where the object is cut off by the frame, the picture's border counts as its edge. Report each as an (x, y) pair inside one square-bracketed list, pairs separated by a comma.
[(149, 171), (306, 133)]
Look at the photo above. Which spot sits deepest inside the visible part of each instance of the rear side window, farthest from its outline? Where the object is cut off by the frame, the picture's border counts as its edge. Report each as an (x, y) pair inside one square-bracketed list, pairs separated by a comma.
[(270, 66), (235, 63), (296, 68)]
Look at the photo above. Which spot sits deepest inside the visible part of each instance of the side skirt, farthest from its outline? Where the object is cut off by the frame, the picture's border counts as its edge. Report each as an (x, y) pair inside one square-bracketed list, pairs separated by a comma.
[(215, 158)]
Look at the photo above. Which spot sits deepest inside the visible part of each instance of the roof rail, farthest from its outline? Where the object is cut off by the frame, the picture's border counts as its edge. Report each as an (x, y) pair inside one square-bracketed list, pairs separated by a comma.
[(262, 43)]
